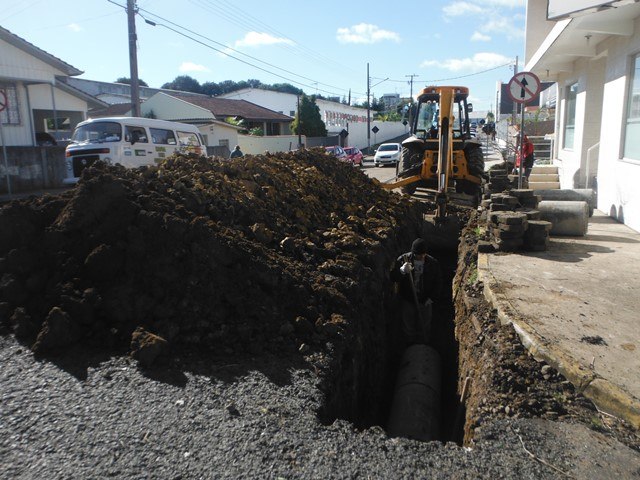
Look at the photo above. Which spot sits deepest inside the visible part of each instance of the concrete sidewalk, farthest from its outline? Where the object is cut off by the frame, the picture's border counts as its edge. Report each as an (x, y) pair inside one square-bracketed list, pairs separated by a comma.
[(576, 306)]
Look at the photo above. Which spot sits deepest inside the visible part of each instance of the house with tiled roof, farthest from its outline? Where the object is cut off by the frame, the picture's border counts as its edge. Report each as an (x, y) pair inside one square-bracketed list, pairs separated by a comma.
[(36, 102)]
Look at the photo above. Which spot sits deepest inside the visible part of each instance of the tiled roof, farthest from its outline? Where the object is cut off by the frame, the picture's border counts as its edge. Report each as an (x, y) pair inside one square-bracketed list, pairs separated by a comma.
[(224, 107), (115, 110)]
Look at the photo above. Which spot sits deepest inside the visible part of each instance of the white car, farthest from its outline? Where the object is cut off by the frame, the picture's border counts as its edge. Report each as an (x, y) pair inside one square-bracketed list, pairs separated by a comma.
[(387, 154)]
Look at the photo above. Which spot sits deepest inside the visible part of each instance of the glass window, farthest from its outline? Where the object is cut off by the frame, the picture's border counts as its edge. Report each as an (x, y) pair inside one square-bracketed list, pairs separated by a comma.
[(632, 130), (224, 142), (98, 132), (570, 115), (162, 136), (188, 139), (135, 134), (11, 114)]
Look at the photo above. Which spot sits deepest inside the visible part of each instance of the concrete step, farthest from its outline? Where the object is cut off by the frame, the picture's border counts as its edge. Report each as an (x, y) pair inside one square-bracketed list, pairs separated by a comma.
[(544, 169), (543, 177), (543, 185)]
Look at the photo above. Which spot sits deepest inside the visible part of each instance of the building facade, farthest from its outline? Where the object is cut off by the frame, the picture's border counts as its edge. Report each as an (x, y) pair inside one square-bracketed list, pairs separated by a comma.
[(37, 102), (593, 54)]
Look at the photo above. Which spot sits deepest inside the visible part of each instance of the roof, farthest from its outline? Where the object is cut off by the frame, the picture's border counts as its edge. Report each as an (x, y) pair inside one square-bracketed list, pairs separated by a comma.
[(92, 101), (115, 110), (225, 107), (40, 54)]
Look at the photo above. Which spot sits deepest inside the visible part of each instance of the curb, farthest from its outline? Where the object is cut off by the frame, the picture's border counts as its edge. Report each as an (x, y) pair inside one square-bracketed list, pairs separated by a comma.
[(607, 396)]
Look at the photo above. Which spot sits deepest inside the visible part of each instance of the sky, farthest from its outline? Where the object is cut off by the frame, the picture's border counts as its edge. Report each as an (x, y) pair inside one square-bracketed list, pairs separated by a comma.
[(320, 47)]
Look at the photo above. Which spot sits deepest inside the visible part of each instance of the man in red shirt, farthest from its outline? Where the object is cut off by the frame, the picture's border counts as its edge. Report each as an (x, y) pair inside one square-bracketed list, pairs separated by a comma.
[(527, 153)]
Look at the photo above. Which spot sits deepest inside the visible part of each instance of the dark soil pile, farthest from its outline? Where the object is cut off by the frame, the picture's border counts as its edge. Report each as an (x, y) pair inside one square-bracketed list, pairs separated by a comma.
[(276, 252)]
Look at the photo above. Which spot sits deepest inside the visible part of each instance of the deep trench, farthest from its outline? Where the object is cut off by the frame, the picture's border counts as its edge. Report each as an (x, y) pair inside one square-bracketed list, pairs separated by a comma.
[(364, 379)]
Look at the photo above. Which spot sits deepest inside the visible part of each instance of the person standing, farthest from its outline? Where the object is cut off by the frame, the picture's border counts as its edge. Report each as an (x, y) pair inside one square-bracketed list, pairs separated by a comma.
[(419, 282), (237, 153), (527, 153)]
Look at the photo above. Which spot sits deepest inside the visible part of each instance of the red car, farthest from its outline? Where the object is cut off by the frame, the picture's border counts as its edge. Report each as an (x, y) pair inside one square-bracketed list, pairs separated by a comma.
[(337, 152), (355, 155)]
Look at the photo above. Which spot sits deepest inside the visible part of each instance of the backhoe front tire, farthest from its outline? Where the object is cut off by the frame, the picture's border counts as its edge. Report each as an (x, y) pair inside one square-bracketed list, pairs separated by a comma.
[(410, 164)]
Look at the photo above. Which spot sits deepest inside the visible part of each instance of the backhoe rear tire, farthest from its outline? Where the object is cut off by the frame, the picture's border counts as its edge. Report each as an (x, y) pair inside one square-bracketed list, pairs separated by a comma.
[(475, 165)]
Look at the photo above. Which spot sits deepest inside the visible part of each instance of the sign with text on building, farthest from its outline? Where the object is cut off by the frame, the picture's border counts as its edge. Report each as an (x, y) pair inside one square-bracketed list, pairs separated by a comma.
[(524, 87)]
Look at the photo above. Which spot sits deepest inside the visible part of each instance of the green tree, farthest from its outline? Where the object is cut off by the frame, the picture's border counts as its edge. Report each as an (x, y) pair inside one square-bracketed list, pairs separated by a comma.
[(308, 121), (184, 83), (127, 80)]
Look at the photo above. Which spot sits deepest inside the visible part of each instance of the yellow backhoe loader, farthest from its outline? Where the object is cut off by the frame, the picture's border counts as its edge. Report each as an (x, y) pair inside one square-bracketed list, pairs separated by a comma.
[(441, 154)]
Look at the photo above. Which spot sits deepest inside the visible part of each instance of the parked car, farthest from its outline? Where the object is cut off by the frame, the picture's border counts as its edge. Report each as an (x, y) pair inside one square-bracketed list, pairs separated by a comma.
[(387, 154), (337, 152), (355, 155)]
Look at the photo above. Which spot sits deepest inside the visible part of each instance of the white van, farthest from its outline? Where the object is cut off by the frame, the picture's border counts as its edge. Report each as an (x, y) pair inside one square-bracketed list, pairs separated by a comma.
[(129, 141)]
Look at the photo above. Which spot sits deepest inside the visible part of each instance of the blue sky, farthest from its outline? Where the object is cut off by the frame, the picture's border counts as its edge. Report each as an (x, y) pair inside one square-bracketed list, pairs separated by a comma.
[(321, 47)]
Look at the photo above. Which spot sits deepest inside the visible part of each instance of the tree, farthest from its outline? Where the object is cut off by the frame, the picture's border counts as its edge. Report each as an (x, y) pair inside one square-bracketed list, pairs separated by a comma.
[(184, 83), (127, 80), (308, 121)]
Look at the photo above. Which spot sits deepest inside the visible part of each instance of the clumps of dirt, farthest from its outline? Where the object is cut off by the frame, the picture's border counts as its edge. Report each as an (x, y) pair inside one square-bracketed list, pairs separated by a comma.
[(503, 379), (281, 252)]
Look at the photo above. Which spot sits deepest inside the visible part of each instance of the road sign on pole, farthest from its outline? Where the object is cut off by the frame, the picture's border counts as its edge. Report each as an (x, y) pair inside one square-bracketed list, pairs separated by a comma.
[(523, 87)]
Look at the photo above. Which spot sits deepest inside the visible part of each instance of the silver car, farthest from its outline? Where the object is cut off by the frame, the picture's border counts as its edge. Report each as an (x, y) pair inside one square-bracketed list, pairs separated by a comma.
[(387, 154)]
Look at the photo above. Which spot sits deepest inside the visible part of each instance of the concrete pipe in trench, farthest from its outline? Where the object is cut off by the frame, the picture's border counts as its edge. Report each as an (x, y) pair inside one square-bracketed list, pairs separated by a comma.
[(415, 411), (568, 218)]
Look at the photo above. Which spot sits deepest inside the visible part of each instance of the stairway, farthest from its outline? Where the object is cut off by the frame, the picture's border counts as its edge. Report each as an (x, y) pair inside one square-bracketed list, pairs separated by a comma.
[(544, 177)]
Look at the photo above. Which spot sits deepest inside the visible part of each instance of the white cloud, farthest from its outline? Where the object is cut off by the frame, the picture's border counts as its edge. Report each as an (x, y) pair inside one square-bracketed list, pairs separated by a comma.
[(74, 27), (457, 9), (505, 3), (365, 33), (480, 37), (505, 26), (255, 39), (480, 61), (192, 67)]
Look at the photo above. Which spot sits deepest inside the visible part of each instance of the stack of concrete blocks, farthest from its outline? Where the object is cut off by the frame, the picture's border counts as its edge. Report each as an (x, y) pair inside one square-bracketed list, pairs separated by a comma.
[(498, 181), (515, 223)]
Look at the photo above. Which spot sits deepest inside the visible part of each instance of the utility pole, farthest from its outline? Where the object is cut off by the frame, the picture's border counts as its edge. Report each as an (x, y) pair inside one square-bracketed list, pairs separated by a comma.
[(515, 105), (133, 57), (368, 112), (299, 133), (411, 104)]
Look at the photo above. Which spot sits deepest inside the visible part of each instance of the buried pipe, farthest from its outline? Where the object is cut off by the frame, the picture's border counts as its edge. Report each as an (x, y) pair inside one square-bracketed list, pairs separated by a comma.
[(415, 410), (568, 218)]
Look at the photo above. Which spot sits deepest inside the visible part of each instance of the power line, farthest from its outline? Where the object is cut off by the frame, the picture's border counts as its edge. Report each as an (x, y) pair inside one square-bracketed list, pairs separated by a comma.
[(461, 76), (229, 55), (229, 48), (246, 20)]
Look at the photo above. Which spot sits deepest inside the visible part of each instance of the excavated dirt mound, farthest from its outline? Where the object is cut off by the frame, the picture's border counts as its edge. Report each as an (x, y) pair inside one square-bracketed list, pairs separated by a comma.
[(277, 252)]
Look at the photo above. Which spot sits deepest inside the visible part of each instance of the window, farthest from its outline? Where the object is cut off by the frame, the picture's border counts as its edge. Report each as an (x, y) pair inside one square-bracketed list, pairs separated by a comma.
[(11, 114), (162, 136), (632, 129), (570, 115), (188, 139), (224, 142), (98, 132), (292, 113), (135, 135)]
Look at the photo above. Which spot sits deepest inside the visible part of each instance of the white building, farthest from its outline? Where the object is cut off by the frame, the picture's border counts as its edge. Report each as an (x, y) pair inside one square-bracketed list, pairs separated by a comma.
[(592, 50), (335, 115), (36, 99)]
